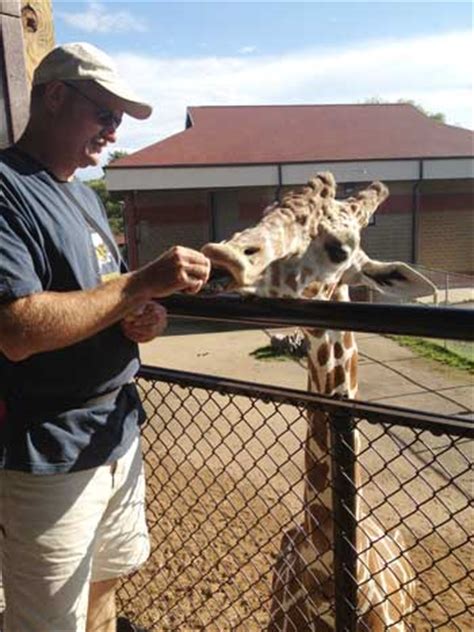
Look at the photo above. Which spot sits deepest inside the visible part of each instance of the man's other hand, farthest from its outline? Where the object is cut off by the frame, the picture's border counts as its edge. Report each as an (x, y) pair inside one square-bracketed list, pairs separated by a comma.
[(146, 323)]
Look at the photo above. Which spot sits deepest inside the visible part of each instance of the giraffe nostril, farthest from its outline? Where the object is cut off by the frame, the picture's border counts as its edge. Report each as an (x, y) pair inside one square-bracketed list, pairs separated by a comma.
[(251, 250), (337, 253)]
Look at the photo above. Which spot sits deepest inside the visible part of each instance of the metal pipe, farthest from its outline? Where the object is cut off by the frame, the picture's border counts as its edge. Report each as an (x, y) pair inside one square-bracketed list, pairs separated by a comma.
[(212, 217), (345, 520), (372, 413), (280, 183), (133, 237), (415, 219), (412, 320)]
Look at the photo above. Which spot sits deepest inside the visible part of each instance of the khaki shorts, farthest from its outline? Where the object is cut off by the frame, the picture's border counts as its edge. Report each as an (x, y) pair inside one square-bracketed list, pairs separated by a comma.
[(62, 531)]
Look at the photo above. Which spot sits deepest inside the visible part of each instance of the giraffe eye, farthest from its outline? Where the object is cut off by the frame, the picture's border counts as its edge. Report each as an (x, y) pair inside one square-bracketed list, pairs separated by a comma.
[(337, 253)]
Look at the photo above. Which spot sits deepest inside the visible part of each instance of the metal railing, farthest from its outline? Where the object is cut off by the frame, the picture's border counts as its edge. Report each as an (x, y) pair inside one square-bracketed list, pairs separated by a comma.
[(226, 475)]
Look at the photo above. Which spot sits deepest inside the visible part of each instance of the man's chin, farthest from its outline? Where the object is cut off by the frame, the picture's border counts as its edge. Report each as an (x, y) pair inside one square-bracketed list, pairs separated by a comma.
[(91, 159)]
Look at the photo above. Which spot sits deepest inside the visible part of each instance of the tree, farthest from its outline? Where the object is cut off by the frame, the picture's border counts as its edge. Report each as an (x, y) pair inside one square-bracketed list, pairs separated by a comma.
[(437, 116), (113, 205)]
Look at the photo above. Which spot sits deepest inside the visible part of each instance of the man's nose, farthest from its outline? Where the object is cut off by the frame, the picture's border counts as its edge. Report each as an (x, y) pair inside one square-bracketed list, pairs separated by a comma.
[(110, 134)]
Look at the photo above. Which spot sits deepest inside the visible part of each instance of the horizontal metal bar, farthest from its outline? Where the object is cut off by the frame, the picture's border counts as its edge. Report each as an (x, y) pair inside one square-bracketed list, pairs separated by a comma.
[(373, 413), (411, 320)]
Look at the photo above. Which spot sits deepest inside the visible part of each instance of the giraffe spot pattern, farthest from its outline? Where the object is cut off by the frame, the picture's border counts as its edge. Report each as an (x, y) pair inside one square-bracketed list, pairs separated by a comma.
[(321, 523), (275, 276), (291, 282), (338, 350), (318, 475), (311, 291), (339, 376), (319, 431), (323, 354), (313, 377), (305, 274), (329, 386)]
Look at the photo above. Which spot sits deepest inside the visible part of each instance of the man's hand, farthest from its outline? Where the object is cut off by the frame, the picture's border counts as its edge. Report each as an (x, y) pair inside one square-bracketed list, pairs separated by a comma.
[(178, 269), (146, 323)]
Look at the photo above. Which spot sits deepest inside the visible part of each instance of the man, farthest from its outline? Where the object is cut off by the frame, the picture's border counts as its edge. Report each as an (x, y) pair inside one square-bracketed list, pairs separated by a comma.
[(71, 502)]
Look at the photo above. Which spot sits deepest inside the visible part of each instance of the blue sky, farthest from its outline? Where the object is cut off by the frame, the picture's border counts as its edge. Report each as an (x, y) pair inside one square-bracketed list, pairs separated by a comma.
[(178, 54)]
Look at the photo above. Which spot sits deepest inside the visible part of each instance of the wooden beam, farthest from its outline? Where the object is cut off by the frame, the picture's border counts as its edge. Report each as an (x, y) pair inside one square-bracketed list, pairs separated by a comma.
[(14, 86), (26, 35), (38, 32), (10, 7)]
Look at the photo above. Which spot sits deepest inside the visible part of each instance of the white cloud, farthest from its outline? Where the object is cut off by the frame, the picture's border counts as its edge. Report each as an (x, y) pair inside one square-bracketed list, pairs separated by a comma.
[(435, 72), (97, 19), (247, 50)]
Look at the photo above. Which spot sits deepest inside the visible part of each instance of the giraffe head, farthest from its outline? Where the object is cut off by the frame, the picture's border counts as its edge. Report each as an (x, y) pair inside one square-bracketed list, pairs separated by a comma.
[(309, 244)]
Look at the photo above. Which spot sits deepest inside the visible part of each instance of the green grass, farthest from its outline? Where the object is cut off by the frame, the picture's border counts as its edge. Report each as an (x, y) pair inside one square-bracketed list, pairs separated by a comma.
[(457, 354)]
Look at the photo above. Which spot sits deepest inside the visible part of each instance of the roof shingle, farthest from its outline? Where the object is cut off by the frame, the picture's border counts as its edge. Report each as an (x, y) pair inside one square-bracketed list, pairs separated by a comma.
[(246, 135)]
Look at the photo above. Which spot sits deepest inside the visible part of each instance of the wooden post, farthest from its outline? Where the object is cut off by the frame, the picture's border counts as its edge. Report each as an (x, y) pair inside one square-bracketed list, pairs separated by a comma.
[(26, 35), (13, 82), (38, 32)]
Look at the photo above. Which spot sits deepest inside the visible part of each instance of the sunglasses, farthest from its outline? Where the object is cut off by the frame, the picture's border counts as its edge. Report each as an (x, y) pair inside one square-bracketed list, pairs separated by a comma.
[(105, 117)]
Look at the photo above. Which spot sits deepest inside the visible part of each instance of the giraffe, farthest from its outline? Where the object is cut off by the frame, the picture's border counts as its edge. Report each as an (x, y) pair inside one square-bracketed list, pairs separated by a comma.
[(308, 245)]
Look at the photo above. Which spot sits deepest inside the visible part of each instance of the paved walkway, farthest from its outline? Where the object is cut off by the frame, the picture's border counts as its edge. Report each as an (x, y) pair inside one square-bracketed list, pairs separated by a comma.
[(388, 373)]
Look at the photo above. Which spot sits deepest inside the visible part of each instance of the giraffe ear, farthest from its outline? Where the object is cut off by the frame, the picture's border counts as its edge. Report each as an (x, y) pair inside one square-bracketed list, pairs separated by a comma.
[(393, 278)]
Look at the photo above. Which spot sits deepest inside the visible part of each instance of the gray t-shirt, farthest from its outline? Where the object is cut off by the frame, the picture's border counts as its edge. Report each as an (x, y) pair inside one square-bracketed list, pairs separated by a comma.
[(73, 408)]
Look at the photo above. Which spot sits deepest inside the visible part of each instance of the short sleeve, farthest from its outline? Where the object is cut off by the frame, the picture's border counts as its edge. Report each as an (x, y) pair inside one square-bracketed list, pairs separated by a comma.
[(22, 264)]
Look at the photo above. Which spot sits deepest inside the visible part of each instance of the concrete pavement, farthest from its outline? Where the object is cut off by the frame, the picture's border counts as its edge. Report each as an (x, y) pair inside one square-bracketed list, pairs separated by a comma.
[(388, 372)]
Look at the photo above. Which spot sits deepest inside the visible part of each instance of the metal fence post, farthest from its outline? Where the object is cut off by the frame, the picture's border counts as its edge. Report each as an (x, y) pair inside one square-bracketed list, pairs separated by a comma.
[(344, 496)]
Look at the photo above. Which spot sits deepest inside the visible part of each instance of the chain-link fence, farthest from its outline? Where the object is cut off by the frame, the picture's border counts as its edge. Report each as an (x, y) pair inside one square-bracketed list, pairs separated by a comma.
[(244, 529), (453, 288)]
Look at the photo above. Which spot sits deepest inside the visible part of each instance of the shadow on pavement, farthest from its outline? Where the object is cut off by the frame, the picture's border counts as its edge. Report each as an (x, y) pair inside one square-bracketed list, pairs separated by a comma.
[(178, 326)]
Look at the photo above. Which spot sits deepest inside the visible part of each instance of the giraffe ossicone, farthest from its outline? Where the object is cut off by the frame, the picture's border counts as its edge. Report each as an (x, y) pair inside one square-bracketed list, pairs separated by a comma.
[(308, 246)]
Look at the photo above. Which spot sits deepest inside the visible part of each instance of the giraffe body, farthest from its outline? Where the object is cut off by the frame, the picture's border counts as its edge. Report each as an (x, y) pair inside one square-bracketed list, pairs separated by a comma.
[(309, 246)]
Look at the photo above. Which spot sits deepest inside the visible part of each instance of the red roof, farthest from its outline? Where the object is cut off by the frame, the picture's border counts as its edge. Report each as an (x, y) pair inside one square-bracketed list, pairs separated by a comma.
[(233, 135)]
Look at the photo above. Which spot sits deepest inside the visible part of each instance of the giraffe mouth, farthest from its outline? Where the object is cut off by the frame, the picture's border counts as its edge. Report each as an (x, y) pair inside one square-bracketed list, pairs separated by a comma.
[(226, 268), (220, 280)]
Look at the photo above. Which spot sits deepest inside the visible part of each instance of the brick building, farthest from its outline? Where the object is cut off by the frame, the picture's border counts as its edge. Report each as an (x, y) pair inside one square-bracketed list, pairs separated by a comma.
[(219, 173)]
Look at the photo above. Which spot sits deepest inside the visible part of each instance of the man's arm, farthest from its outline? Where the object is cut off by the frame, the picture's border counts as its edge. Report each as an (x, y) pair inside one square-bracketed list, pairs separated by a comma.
[(52, 320)]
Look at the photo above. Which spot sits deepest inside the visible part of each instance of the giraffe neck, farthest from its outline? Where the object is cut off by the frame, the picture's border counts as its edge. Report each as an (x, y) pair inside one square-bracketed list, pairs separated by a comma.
[(332, 363), (332, 371), (332, 355)]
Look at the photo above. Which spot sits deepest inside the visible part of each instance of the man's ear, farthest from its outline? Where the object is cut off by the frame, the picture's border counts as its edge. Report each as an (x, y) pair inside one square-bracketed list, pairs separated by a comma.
[(55, 95), (393, 278)]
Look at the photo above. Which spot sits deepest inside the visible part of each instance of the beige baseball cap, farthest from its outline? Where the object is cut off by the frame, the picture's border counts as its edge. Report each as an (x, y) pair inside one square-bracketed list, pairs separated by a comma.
[(81, 61)]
